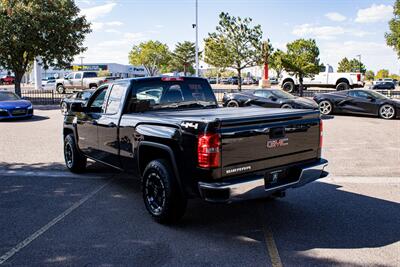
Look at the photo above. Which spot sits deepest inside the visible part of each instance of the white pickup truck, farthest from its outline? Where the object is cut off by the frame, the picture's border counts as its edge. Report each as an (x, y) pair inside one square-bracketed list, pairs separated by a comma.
[(326, 78), (81, 80)]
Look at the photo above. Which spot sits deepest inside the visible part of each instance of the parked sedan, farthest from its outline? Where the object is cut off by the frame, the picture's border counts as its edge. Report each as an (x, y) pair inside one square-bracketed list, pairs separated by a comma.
[(360, 101), (78, 97), (12, 106), (384, 86), (269, 98)]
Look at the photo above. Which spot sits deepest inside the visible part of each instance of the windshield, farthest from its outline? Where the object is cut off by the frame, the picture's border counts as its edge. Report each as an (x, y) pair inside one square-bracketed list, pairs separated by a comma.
[(282, 94), (377, 95), (176, 94), (8, 96)]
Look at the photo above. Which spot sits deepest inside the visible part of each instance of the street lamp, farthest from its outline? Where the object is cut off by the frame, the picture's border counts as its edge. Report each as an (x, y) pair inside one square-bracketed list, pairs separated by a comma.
[(81, 62), (359, 61), (197, 40)]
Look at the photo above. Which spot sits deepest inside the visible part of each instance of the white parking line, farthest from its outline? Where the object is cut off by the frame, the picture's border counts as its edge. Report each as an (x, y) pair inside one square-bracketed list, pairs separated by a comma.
[(361, 180), (53, 222)]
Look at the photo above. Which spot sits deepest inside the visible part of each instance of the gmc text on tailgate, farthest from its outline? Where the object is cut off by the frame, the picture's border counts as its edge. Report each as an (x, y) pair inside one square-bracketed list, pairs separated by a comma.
[(171, 134)]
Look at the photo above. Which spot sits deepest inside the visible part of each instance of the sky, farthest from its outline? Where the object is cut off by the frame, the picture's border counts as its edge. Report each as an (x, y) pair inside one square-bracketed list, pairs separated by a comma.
[(342, 28)]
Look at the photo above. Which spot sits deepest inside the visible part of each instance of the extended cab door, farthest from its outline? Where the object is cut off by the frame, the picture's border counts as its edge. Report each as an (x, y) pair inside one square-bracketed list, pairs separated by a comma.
[(77, 80), (86, 123), (108, 123)]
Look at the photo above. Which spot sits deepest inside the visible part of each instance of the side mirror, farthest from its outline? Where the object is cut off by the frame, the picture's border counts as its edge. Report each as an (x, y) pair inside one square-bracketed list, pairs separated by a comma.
[(77, 107), (273, 98), (371, 98)]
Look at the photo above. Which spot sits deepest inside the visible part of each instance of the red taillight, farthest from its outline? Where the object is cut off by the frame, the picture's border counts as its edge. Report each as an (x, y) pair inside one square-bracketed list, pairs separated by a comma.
[(321, 133), (208, 150), (358, 77), (171, 79)]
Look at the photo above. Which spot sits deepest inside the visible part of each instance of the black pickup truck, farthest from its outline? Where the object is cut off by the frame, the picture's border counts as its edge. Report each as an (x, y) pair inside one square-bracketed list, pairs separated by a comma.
[(170, 133)]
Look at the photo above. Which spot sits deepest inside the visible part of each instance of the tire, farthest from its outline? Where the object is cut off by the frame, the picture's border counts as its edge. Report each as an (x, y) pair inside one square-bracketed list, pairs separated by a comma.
[(60, 89), (325, 107), (64, 108), (232, 104), (287, 106), (74, 160), (288, 87), (387, 112), (161, 193), (342, 86)]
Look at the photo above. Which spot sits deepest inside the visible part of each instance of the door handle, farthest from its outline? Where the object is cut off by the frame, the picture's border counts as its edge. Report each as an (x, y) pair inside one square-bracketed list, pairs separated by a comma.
[(111, 125)]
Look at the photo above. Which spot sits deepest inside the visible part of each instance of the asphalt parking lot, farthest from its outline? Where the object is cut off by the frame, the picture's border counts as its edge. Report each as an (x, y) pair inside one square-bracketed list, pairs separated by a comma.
[(50, 217)]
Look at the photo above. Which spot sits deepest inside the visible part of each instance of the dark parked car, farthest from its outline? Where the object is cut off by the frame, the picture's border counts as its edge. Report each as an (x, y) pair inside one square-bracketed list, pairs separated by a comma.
[(359, 101), (78, 97), (12, 106), (182, 145), (268, 98), (384, 86)]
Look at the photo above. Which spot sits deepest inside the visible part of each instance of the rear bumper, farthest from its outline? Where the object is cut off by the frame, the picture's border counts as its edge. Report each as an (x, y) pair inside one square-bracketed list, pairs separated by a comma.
[(255, 186)]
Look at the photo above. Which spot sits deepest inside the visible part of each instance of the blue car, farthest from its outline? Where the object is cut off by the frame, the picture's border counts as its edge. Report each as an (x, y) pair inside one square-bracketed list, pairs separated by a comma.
[(12, 106)]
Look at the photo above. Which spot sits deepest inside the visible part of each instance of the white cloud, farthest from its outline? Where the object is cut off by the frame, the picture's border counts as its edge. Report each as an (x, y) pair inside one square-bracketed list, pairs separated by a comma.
[(375, 13), (322, 32), (128, 38), (101, 25), (92, 13), (374, 55), (326, 32), (334, 16)]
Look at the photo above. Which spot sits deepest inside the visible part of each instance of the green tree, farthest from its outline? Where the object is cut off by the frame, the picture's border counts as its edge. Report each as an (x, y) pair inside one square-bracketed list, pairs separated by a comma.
[(184, 56), (276, 62), (369, 75), (353, 65), (235, 44), (381, 74), (301, 59), (344, 65), (152, 55), (393, 37), (51, 29)]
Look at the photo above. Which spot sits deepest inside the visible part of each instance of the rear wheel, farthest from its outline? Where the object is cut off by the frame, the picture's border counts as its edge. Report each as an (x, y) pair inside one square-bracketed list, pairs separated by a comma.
[(342, 86), (232, 104), (325, 107), (161, 193), (387, 112), (287, 106), (60, 89), (74, 160), (288, 86)]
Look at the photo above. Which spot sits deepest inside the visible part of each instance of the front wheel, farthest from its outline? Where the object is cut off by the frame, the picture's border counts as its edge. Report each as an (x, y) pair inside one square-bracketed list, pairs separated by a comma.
[(325, 107), (387, 112), (74, 160), (161, 193)]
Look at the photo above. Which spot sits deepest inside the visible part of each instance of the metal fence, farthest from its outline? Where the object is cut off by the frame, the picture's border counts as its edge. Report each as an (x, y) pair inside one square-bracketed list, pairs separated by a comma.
[(51, 97), (43, 97)]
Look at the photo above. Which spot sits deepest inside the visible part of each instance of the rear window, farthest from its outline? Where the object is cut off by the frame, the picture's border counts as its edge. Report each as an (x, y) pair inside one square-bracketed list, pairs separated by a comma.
[(161, 93)]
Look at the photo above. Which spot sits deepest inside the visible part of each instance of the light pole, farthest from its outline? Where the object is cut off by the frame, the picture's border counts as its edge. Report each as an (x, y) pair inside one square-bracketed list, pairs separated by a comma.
[(81, 62), (359, 61), (197, 39)]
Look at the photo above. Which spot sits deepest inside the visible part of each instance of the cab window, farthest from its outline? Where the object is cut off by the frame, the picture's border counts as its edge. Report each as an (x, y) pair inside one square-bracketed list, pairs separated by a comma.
[(78, 75), (97, 104)]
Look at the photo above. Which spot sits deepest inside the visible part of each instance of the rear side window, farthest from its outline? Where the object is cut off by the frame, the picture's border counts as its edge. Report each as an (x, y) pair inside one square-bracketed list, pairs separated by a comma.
[(115, 98), (89, 74), (167, 92)]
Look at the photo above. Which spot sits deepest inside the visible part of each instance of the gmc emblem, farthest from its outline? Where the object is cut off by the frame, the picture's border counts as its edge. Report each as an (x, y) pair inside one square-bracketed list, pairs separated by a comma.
[(278, 142)]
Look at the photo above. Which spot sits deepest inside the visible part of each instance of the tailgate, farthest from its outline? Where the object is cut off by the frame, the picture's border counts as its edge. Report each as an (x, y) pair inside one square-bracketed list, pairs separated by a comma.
[(268, 142)]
